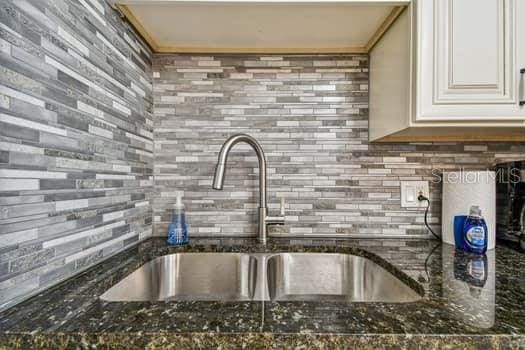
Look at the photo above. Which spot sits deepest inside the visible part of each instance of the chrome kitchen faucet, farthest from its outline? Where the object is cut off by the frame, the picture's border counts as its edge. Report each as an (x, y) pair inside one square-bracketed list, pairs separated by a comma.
[(218, 181)]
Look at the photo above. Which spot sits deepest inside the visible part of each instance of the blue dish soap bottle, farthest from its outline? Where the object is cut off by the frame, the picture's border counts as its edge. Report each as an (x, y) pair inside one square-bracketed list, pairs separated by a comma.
[(178, 231), (475, 235)]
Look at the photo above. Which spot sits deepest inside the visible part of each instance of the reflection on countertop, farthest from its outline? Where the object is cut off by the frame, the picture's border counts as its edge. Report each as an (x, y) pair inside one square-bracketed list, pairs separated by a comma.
[(468, 302), (469, 286)]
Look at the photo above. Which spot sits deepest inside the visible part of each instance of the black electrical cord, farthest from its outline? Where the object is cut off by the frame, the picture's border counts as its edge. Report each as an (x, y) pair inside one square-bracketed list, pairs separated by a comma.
[(423, 198)]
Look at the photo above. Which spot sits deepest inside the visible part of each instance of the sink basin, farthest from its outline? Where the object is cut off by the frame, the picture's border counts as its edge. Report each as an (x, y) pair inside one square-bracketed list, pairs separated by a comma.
[(333, 277), (189, 276), (261, 276)]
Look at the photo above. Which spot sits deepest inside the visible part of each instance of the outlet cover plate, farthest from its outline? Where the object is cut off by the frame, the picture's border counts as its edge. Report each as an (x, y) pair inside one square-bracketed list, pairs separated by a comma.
[(410, 191)]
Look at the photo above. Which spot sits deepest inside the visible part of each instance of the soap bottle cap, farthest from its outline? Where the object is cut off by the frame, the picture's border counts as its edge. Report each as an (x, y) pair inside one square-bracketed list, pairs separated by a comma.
[(179, 204), (475, 211)]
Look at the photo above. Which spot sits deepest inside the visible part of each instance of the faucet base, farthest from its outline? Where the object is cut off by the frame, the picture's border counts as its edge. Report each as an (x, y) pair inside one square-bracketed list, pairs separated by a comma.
[(264, 221)]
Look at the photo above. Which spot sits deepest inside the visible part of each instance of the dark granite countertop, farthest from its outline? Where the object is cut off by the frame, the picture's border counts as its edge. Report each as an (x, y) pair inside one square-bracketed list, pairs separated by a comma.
[(467, 302)]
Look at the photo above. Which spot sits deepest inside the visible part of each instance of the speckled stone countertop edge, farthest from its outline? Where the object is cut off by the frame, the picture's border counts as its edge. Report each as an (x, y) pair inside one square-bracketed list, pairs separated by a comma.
[(261, 340)]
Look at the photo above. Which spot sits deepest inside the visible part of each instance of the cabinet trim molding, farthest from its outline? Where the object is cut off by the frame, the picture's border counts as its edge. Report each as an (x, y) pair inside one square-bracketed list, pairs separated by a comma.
[(448, 87)]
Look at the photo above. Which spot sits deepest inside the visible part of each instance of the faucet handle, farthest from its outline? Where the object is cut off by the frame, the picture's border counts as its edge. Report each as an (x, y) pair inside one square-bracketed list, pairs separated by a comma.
[(276, 220), (282, 207)]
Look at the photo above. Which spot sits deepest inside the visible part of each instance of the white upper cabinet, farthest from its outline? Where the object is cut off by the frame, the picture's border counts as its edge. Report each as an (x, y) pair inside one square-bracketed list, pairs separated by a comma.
[(469, 57), (452, 70)]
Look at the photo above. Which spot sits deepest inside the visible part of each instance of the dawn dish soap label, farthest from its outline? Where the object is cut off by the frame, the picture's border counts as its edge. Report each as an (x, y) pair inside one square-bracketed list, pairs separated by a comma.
[(178, 231), (475, 236), (475, 232)]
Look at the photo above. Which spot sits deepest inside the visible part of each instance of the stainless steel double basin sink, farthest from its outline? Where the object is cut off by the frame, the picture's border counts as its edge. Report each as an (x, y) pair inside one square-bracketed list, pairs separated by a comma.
[(261, 276)]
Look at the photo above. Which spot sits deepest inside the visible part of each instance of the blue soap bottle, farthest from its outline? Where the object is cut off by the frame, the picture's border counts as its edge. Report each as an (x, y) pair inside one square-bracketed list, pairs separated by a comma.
[(178, 231), (475, 235)]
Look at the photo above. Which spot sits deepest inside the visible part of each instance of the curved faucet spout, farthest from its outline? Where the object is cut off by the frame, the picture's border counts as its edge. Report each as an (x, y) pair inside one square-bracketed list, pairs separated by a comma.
[(218, 181), (220, 169)]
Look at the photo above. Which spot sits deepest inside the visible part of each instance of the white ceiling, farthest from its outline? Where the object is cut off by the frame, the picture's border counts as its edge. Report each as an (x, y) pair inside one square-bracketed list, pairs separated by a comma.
[(258, 26)]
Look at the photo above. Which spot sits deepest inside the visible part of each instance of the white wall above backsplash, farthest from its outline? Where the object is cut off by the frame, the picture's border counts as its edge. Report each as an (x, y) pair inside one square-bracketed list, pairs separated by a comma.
[(261, 26)]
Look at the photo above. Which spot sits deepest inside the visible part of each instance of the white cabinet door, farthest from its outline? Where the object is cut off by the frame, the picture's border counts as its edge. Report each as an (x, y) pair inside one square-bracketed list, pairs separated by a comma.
[(469, 57)]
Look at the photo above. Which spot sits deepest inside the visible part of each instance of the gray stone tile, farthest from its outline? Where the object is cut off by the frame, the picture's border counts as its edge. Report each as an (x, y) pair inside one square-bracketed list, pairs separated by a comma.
[(53, 61), (310, 114)]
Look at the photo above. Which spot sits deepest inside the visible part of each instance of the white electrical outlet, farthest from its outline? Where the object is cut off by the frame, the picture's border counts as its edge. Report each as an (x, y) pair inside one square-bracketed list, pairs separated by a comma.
[(410, 190)]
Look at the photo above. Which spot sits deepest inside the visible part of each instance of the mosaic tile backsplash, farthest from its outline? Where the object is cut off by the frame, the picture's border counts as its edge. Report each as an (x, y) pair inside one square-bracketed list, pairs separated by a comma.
[(76, 149), (310, 114)]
